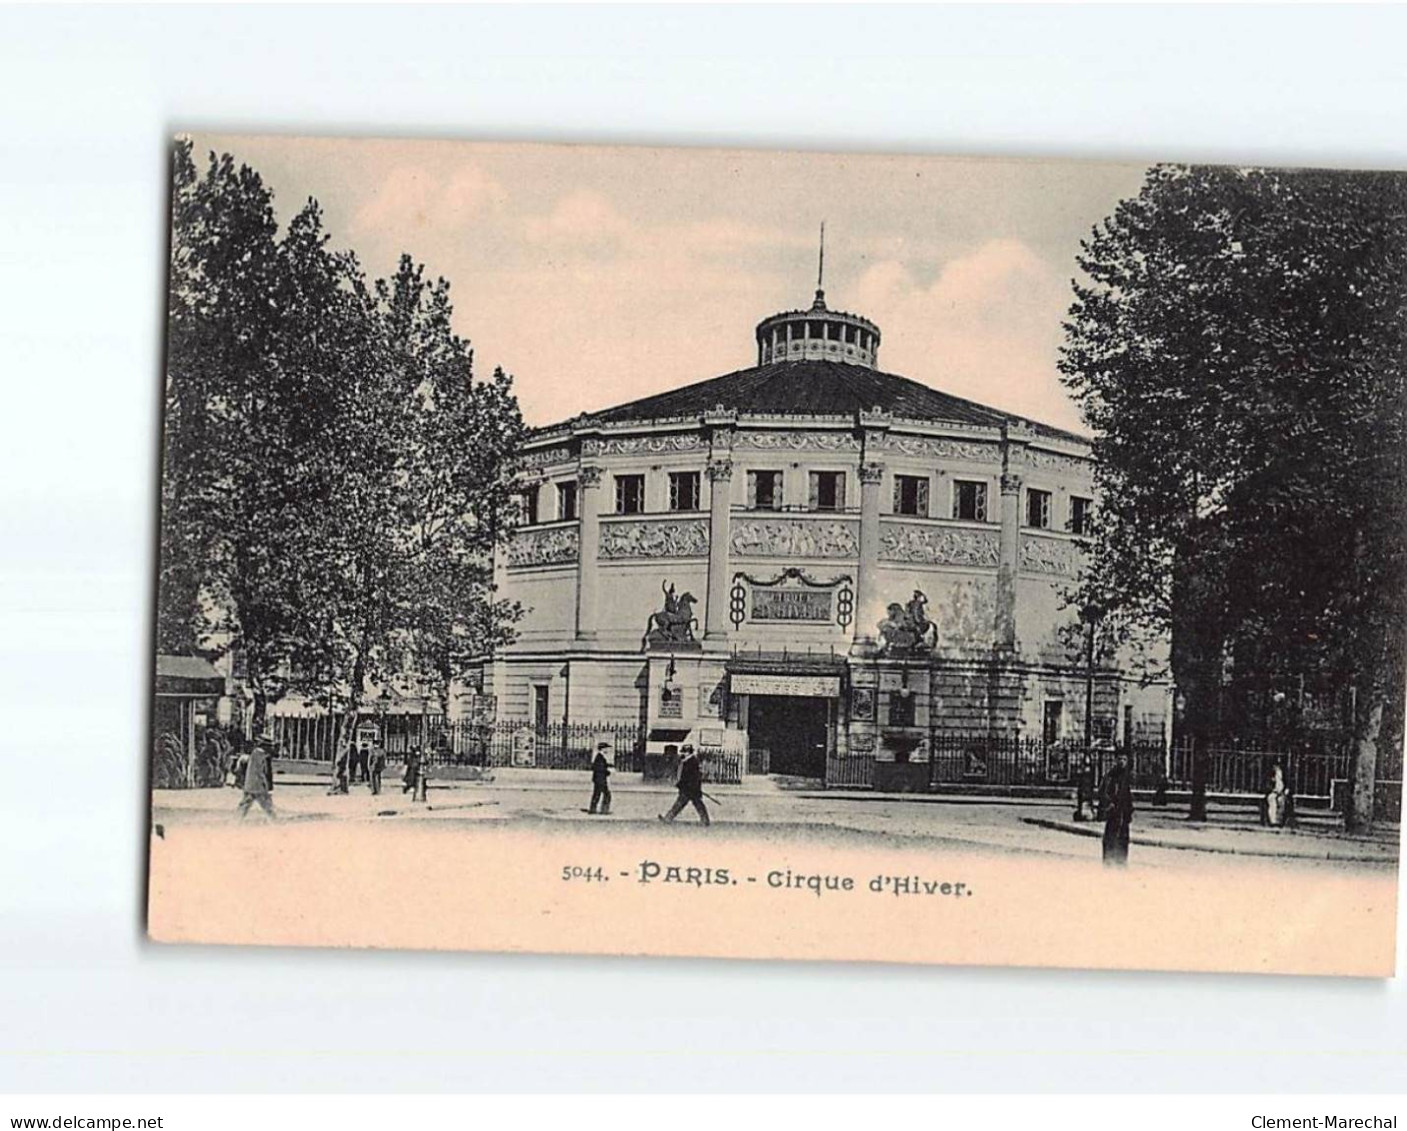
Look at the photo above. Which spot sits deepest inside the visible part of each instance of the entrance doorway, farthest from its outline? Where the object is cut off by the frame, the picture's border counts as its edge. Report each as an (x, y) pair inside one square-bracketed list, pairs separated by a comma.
[(794, 730)]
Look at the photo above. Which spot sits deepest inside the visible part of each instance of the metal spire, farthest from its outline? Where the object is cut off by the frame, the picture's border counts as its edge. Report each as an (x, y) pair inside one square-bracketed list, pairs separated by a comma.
[(821, 264)]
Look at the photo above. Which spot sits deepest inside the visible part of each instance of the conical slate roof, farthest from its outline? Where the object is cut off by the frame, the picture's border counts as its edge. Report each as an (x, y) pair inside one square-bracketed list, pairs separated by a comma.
[(815, 387)]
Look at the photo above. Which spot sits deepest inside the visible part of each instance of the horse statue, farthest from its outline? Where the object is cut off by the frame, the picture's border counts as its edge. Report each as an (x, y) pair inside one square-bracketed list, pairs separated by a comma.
[(673, 624), (907, 628)]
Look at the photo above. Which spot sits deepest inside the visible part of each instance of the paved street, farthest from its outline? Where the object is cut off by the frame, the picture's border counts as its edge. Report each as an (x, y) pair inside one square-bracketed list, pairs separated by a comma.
[(1004, 826)]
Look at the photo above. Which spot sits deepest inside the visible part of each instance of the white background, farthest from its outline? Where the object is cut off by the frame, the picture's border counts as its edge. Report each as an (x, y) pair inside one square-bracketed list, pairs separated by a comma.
[(88, 99)]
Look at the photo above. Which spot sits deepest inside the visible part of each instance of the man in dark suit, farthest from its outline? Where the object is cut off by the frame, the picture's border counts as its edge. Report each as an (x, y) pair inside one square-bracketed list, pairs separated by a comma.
[(1117, 795), (600, 771), (690, 786), (258, 781)]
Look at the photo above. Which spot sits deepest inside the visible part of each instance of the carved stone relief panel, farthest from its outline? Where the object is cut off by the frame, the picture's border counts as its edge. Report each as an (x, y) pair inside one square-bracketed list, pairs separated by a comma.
[(555, 545), (941, 447), (938, 545), (666, 538), (798, 441), (794, 538), (656, 444), (1054, 461), (546, 457), (1049, 555)]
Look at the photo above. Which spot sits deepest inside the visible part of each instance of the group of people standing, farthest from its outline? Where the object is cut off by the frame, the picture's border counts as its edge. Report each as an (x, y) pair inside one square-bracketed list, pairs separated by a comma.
[(364, 761)]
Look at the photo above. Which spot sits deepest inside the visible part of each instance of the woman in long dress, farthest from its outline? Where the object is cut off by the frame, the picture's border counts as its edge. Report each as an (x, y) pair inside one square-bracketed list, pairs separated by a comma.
[(1117, 795)]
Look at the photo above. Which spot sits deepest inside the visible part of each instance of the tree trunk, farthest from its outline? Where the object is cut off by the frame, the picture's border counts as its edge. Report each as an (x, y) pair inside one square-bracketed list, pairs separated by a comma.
[(1363, 785), (261, 708)]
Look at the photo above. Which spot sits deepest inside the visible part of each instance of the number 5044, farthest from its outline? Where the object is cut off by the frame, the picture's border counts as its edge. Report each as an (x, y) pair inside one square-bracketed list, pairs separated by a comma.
[(579, 872)]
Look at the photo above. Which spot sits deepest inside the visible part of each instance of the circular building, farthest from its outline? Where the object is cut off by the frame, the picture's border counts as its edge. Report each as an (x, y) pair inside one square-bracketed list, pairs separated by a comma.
[(813, 567)]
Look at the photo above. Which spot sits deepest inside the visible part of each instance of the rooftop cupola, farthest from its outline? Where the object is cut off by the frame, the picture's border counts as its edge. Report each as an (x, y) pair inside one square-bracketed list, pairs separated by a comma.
[(818, 333)]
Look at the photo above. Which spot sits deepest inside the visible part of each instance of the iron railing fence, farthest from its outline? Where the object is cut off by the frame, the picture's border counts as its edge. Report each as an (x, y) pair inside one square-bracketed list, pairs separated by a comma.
[(854, 771), (721, 767), (553, 746), (955, 758), (1243, 769)]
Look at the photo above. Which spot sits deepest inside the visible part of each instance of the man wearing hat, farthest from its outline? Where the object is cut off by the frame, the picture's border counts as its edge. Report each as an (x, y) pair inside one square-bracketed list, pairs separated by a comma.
[(600, 771), (690, 785), (258, 781)]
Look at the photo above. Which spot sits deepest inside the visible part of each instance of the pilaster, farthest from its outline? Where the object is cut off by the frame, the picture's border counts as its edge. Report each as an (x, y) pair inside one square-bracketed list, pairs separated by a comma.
[(588, 551), (720, 492)]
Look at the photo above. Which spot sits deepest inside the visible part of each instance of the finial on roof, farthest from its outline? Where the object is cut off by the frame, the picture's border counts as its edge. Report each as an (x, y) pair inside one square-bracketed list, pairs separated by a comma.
[(820, 303)]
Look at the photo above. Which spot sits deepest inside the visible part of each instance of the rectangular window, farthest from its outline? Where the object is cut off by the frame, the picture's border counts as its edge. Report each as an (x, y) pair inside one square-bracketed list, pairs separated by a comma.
[(566, 501), (970, 500), (901, 709), (540, 708), (1038, 509), (1050, 722), (630, 494), (1081, 510), (764, 490), (683, 490), (827, 490), (911, 495), (530, 497)]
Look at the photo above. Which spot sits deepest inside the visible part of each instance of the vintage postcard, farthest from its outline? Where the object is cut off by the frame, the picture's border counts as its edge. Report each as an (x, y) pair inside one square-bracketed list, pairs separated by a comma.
[(781, 555)]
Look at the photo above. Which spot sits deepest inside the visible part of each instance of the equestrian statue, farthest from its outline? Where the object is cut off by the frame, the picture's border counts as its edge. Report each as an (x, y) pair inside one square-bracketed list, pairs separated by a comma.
[(673, 624)]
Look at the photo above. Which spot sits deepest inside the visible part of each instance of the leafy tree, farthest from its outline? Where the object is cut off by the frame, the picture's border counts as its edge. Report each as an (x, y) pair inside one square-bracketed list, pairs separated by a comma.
[(1237, 348), (456, 478), (334, 478)]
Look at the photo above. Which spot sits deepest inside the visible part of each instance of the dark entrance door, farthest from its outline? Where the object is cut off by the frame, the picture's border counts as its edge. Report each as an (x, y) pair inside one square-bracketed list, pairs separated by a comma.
[(792, 729)]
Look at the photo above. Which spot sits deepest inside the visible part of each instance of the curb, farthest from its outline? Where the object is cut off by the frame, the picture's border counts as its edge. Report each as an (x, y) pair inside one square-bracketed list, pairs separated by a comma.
[(1222, 850)]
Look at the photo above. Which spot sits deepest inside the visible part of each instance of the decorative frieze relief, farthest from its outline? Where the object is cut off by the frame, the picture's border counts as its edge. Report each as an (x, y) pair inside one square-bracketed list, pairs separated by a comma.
[(798, 441), (553, 545), (793, 538), (938, 545), (546, 457), (940, 447), (1054, 461), (656, 444), (666, 538), (1049, 555)]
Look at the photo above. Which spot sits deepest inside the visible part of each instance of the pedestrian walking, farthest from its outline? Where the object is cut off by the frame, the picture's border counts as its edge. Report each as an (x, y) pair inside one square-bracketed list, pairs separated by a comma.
[(339, 769), (600, 772), (690, 786), (1275, 805), (376, 763), (258, 781), (1084, 790), (1117, 797), (412, 770)]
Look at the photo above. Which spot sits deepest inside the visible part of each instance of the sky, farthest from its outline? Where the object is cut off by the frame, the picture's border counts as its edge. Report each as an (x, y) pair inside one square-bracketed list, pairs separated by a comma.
[(596, 275)]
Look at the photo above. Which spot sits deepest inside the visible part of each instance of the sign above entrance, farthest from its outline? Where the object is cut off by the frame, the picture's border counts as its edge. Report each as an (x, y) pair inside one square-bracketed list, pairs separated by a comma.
[(792, 604), (791, 597), (821, 686)]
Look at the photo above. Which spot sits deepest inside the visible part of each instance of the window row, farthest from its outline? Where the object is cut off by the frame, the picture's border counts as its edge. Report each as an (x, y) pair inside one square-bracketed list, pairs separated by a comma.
[(812, 331), (970, 503), (826, 492)]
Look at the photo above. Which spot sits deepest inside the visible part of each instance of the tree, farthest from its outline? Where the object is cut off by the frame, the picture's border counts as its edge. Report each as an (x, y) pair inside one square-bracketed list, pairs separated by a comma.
[(1238, 348), (334, 479), (456, 477)]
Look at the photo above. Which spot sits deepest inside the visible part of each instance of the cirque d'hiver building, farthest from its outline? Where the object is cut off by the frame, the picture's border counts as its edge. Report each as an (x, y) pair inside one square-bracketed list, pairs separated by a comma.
[(810, 561)]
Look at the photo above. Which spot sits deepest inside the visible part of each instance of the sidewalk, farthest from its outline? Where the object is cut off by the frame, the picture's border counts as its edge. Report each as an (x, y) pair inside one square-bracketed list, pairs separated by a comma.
[(1159, 831)]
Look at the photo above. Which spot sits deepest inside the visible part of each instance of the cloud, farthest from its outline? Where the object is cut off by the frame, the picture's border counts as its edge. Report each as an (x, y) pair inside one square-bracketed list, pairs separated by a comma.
[(987, 327), (414, 198), (580, 219)]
